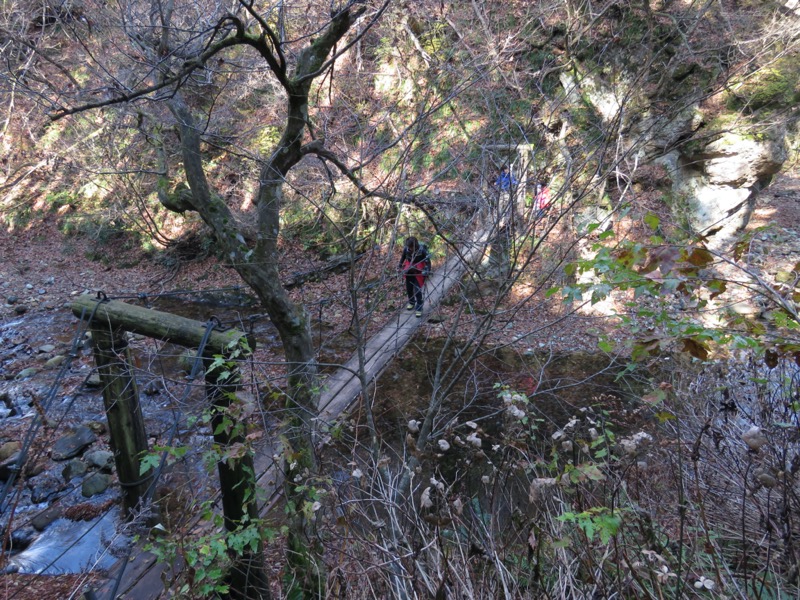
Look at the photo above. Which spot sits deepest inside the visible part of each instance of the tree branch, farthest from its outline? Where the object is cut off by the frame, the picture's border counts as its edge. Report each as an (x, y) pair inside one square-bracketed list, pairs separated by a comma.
[(187, 69), (311, 75), (280, 62)]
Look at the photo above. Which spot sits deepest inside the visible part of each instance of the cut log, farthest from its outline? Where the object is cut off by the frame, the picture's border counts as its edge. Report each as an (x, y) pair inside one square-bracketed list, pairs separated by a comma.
[(155, 324)]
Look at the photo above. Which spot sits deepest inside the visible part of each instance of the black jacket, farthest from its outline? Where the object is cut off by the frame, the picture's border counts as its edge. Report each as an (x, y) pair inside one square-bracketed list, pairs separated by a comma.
[(418, 264)]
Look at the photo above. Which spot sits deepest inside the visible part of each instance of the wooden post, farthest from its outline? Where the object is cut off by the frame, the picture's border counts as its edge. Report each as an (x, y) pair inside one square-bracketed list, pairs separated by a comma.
[(125, 422), (248, 578), (523, 153), (237, 478)]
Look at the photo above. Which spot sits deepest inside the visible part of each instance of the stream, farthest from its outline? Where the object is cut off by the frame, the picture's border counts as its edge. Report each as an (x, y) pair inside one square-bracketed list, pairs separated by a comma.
[(61, 515), (59, 524)]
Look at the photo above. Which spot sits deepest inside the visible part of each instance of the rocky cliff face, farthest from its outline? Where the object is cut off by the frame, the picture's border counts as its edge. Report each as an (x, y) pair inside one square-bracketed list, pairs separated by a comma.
[(721, 135), (721, 182)]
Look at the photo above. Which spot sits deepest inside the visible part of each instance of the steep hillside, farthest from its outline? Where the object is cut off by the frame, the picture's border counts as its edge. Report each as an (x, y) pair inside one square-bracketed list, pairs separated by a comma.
[(607, 404)]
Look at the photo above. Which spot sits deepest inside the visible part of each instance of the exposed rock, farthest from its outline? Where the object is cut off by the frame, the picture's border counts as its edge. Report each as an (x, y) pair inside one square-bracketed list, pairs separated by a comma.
[(97, 426), (9, 449), (44, 349), (716, 178), (94, 380), (754, 438), (72, 445), (634, 444), (97, 483), (31, 470), (47, 516), (44, 487), (18, 399), (721, 182), (765, 479), (54, 362), (743, 162), (8, 466), (29, 372), (74, 468), (100, 459)]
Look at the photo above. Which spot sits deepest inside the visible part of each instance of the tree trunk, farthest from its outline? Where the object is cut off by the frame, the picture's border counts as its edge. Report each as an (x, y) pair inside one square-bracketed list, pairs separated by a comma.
[(259, 267)]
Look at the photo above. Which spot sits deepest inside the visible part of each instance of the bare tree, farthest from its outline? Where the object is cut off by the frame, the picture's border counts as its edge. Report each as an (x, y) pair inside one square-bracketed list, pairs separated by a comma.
[(168, 54)]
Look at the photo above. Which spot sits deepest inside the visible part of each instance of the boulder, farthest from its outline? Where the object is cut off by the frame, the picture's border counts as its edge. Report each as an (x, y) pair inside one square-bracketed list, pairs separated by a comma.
[(9, 449), (72, 445), (47, 516), (100, 459), (721, 181), (97, 483), (74, 468), (44, 487)]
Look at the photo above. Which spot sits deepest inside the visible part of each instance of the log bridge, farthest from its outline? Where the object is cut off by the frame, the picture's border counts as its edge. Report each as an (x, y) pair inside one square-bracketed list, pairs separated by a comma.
[(142, 576)]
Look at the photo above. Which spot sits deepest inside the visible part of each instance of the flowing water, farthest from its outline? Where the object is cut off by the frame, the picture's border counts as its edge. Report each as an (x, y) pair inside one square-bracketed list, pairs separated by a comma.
[(72, 547)]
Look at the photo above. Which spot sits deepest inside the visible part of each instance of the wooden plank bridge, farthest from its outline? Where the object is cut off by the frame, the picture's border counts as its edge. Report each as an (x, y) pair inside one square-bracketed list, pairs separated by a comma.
[(141, 578)]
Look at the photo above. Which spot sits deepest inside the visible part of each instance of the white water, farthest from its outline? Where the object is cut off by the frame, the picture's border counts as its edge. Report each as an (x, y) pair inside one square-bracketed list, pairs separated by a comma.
[(72, 547)]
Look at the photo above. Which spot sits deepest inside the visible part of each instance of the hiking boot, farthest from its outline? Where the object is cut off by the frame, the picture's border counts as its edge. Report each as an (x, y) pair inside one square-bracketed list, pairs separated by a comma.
[(409, 306), (419, 313)]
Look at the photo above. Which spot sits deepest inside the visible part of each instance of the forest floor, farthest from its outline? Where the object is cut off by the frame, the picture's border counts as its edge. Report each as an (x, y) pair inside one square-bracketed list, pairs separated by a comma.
[(41, 270)]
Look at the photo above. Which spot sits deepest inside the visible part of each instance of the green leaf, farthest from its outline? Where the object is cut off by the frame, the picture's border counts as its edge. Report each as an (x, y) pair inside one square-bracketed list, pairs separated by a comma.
[(716, 287), (665, 416), (149, 461), (652, 221), (605, 345), (608, 526)]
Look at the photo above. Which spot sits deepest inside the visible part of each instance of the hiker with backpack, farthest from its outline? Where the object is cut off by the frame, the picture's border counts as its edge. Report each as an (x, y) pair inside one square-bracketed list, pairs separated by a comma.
[(415, 266), (541, 202)]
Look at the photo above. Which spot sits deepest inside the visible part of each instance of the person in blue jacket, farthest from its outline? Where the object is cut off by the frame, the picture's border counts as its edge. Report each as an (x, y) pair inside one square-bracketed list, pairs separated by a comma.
[(505, 180), (415, 265)]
